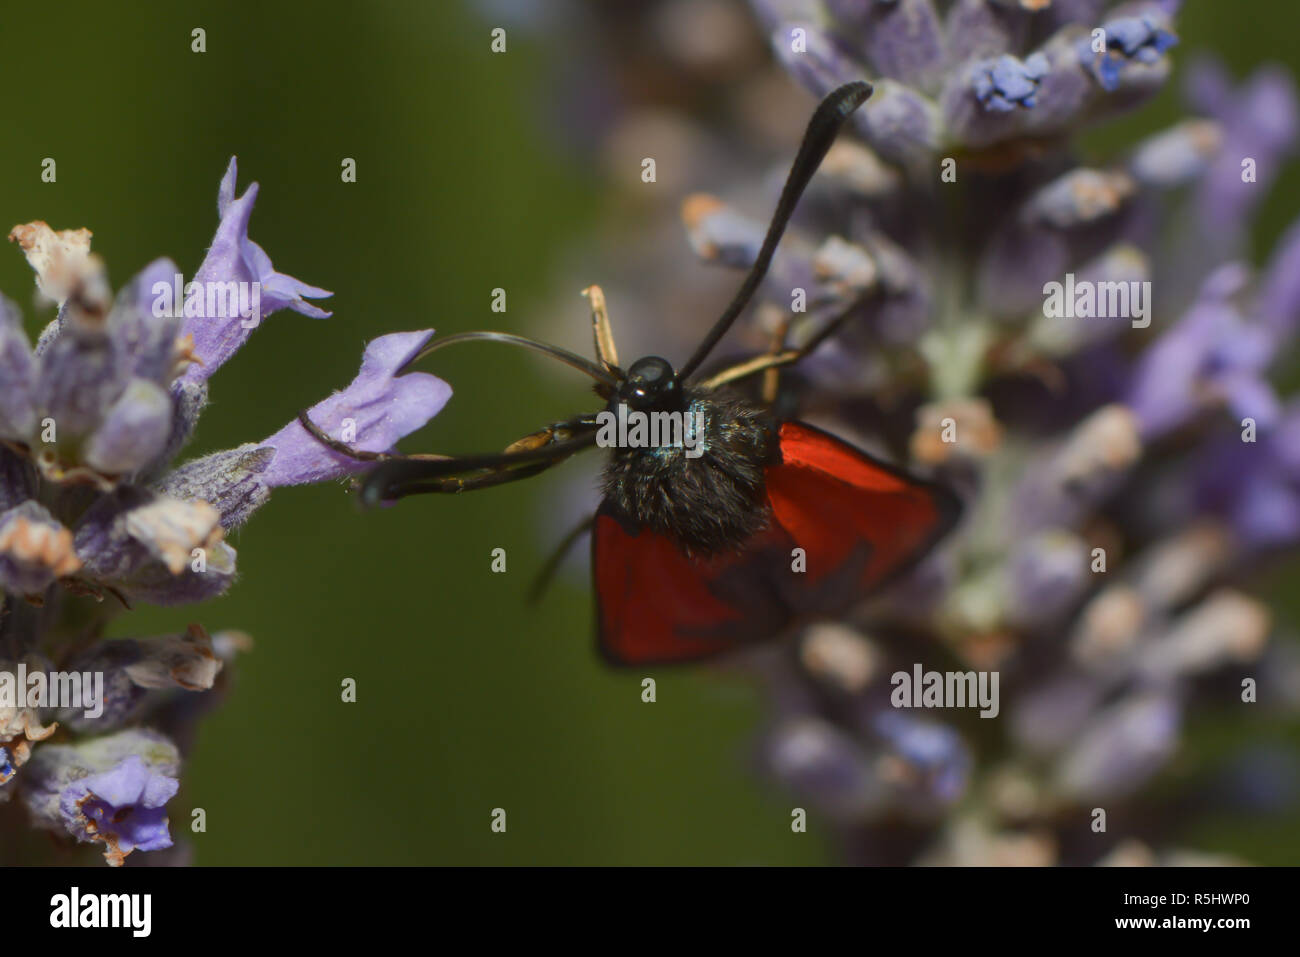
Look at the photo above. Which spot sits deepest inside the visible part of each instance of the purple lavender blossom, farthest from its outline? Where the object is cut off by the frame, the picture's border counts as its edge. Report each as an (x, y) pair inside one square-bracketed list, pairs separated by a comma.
[(234, 257), (1255, 486), (1005, 83), (110, 790), (92, 505), (1136, 40), (380, 407)]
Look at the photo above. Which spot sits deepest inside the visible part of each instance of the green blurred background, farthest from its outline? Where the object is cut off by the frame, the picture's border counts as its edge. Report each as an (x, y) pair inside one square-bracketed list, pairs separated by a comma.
[(468, 699)]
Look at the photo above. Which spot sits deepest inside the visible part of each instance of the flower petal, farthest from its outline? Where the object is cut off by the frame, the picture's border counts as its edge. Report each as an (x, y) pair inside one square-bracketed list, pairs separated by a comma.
[(134, 431), (376, 410), (233, 257)]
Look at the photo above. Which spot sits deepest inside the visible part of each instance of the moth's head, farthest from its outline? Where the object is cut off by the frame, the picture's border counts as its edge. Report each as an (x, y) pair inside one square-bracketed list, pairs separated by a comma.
[(651, 384)]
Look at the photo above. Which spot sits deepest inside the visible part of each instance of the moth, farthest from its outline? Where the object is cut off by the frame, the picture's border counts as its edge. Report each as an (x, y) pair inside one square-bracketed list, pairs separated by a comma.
[(702, 547)]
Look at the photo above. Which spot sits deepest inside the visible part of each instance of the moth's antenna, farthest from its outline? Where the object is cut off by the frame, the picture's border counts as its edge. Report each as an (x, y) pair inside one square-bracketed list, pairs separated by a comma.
[(822, 130), (555, 352)]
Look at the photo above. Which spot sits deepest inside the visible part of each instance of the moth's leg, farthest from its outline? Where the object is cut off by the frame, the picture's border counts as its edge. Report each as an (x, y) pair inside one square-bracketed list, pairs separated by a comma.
[(402, 475), (533, 440), (602, 331), (468, 481), (547, 573), (774, 360), (556, 432), (485, 478), (772, 375), (749, 367)]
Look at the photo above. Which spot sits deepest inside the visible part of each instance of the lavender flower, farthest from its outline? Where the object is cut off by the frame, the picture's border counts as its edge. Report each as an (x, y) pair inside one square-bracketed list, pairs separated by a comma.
[(1005, 83), (1137, 40), (111, 790), (94, 515), (234, 257)]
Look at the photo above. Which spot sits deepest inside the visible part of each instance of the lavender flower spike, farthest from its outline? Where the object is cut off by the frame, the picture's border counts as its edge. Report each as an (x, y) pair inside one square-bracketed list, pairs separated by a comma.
[(233, 257), (372, 413), (102, 511)]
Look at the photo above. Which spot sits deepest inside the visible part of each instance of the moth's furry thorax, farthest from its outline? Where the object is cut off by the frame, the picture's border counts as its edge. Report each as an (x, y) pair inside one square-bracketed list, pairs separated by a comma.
[(708, 504)]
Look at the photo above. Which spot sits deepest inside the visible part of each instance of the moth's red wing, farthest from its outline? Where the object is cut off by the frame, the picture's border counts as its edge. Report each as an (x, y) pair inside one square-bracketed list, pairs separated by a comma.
[(859, 521), (654, 604)]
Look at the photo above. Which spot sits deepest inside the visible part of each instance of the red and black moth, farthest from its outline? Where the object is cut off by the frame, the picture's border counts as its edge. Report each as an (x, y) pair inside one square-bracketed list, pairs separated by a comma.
[(693, 556)]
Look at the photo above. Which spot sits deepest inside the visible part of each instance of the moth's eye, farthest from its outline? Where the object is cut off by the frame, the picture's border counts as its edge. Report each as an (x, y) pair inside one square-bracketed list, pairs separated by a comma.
[(651, 370), (650, 382)]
